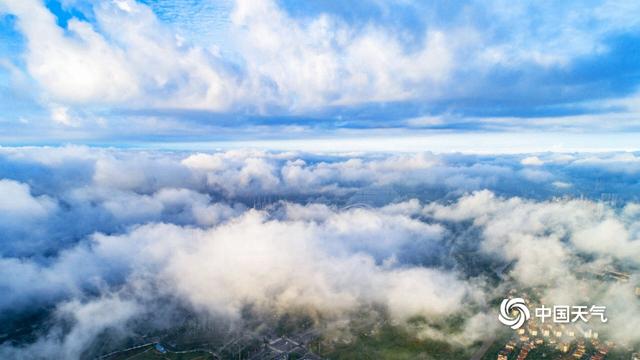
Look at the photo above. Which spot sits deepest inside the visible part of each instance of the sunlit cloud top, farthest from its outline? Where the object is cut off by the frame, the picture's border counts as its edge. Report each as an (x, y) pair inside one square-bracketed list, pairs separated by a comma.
[(152, 70)]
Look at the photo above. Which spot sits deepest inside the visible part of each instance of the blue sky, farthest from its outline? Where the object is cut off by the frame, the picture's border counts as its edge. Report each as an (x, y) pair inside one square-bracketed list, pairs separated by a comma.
[(123, 72)]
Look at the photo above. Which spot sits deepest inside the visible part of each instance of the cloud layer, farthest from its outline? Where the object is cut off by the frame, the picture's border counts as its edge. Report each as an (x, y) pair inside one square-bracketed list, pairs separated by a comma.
[(93, 232)]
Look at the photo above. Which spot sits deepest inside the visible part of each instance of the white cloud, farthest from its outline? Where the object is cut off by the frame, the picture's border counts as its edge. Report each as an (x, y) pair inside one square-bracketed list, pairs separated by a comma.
[(531, 226), (532, 160), (322, 263), (89, 320), (609, 237), (622, 162), (60, 114), (16, 201), (536, 175), (274, 262), (547, 242), (129, 57), (78, 67), (323, 61), (561, 184)]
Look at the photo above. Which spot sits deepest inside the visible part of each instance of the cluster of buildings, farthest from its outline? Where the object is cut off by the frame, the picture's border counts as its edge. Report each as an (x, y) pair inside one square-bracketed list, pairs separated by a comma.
[(284, 348), (573, 340), (576, 341)]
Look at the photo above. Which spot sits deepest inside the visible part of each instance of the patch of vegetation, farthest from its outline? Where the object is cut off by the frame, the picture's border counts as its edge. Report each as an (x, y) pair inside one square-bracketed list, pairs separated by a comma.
[(393, 343)]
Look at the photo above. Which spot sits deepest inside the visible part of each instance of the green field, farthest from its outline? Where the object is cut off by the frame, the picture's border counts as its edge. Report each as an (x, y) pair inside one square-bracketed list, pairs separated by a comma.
[(394, 343)]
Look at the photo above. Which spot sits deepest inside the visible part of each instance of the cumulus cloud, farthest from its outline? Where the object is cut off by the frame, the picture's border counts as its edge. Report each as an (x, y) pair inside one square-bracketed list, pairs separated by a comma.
[(560, 246), (278, 59), (532, 160), (126, 56), (306, 264), (72, 68), (274, 265), (626, 163), (23, 215), (16, 201), (129, 56), (89, 320), (324, 61)]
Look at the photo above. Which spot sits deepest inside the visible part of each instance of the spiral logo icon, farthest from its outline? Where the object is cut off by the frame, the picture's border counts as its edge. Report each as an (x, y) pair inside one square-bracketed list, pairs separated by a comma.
[(515, 321)]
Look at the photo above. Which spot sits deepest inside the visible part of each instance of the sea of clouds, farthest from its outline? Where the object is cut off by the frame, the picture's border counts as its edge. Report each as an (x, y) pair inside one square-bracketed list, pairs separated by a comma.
[(103, 240)]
